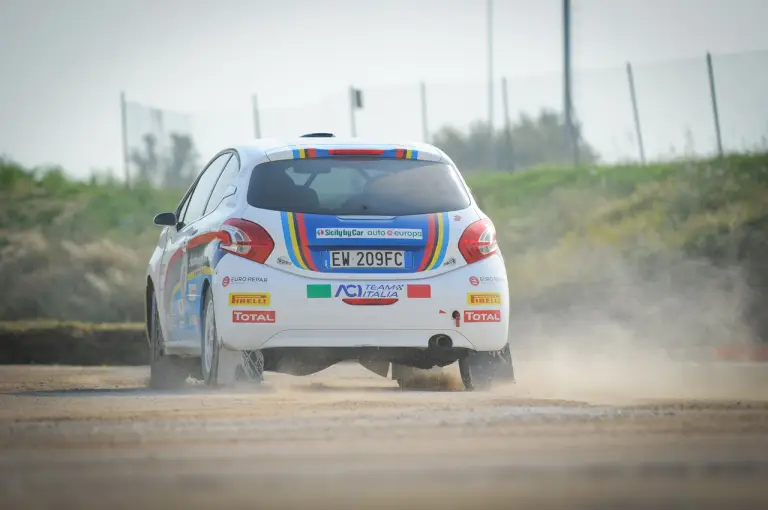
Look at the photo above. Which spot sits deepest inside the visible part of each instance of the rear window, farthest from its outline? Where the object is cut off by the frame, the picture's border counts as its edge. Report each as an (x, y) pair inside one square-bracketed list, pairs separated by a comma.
[(345, 186)]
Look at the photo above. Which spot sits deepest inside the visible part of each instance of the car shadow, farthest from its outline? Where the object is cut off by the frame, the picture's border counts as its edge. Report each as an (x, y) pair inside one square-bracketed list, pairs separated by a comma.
[(141, 391)]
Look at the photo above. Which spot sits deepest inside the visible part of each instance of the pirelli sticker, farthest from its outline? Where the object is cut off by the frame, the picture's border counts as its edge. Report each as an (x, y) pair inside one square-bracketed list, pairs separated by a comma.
[(483, 298), (249, 299)]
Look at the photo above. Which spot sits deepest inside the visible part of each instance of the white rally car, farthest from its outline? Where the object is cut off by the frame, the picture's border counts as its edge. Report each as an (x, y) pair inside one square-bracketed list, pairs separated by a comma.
[(294, 255)]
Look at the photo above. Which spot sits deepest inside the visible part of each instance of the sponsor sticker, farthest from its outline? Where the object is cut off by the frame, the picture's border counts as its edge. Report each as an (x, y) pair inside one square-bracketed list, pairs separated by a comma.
[(419, 291), (240, 280), (249, 299), (482, 316), (477, 280), (369, 290), (197, 260), (253, 316), (369, 233), (483, 298)]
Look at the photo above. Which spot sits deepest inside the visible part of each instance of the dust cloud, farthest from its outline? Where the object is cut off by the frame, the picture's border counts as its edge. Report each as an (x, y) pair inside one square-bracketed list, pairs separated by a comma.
[(625, 331)]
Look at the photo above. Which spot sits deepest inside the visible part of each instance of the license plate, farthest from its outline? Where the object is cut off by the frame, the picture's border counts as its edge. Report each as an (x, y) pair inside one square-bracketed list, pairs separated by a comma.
[(366, 259)]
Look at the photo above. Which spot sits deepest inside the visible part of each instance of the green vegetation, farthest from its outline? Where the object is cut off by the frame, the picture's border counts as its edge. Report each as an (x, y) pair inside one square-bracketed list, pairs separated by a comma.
[(78, 250), (72, 343), (525, 143)]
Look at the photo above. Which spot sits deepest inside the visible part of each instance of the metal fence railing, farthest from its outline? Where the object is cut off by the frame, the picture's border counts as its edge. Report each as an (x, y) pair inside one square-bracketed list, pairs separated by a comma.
[(684, 108)]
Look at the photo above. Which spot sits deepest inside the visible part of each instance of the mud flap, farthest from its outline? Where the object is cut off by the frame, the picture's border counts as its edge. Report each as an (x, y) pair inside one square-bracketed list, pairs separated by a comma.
[(380, 368), (239, 366), (504, 369), (228, 363)]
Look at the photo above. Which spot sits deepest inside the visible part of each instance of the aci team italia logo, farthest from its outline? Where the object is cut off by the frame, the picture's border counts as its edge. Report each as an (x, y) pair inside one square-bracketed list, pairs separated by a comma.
[(249, 299), (483, 298), (369, 291)]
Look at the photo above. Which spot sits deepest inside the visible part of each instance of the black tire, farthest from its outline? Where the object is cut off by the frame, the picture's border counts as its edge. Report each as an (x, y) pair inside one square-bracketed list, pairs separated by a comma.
[(480, 369), (209, 374), (165, 372)]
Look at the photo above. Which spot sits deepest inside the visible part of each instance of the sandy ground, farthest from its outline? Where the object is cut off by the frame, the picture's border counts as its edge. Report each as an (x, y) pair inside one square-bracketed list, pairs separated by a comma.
[(569, 434)]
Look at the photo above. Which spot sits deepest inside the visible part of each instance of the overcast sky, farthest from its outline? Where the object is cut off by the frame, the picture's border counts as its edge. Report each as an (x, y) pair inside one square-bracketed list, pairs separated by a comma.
[(65, 62)]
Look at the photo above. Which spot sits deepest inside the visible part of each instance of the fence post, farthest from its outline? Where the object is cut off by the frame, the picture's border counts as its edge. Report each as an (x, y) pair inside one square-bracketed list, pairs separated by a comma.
[(715, 112), (572, 142), (507, 125), (424, 126), (635, 113), (352, 106), (124, 127), (256, 120)]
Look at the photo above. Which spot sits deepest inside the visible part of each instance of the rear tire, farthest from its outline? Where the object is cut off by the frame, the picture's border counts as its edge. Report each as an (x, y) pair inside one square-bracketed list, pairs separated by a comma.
[(480, 369), (210, 346), (165, 372)]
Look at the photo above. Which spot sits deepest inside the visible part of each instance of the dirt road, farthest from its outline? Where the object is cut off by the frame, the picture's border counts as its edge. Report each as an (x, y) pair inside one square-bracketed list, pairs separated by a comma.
[(586, 436)]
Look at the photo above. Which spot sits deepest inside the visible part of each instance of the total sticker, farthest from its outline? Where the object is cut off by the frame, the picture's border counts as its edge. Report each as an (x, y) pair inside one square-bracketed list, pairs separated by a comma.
[(253, 316)]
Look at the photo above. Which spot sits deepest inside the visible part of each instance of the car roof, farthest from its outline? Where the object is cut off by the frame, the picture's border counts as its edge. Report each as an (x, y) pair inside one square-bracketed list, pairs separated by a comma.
[(259, 147)]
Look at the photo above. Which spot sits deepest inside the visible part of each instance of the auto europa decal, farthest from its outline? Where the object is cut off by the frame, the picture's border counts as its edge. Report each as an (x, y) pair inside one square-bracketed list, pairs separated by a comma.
[(307, 236)]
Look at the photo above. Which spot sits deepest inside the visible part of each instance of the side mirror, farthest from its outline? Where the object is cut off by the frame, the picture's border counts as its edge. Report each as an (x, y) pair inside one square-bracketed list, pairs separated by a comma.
[(166, 219)]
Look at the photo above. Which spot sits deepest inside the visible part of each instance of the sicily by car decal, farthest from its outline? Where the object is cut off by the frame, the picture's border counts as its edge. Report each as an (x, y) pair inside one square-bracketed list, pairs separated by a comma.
[(295, 233), (312, 153), (437, 242)]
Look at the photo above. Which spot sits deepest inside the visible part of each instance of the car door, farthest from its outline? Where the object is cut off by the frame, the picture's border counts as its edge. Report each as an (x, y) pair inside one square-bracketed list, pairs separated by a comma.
[(178, 274), (198, 261)]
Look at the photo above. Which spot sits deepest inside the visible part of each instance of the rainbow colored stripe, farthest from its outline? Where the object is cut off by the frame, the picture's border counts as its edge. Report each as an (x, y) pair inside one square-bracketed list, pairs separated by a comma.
[(295, 232), (437, 242), (313, 153), (428, 257)]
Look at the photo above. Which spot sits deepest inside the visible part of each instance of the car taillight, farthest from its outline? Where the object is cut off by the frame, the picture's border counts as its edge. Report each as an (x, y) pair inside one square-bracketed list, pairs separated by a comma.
[(478, 241), (246, 239)]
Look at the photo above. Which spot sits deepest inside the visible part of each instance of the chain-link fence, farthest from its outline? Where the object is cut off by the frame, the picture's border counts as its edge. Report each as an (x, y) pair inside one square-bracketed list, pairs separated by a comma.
[(675, 114)]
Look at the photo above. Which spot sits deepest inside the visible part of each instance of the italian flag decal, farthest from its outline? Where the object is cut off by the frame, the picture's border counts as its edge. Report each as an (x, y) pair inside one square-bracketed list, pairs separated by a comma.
[(319, 291)]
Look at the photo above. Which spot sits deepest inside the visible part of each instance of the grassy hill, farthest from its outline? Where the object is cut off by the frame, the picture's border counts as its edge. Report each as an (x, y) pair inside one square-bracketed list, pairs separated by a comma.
[(678, 242)]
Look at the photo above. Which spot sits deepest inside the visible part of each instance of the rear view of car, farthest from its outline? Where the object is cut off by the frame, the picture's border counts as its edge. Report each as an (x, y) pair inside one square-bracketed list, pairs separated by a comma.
[(303, 254), (362, 253)]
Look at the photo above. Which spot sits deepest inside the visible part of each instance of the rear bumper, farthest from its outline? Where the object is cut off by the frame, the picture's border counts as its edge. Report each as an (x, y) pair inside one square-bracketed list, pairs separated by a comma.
[(270, 308)]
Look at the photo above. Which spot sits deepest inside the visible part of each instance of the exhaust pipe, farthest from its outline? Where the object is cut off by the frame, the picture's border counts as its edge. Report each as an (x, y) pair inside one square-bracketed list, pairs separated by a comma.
[(440, 341)]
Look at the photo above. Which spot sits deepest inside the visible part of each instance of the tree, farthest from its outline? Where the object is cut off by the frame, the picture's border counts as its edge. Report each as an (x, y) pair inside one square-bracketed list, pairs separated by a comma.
[(528, 142), (175, 169), (182, 162), (147, 162)]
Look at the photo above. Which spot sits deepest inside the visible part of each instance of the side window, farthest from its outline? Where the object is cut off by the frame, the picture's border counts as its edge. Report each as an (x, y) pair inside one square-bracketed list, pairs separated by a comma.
[(225, 179), (203, 188)]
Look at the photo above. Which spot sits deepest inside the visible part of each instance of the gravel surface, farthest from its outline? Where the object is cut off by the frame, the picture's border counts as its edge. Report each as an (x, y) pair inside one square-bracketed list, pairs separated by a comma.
[(577, 435)]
